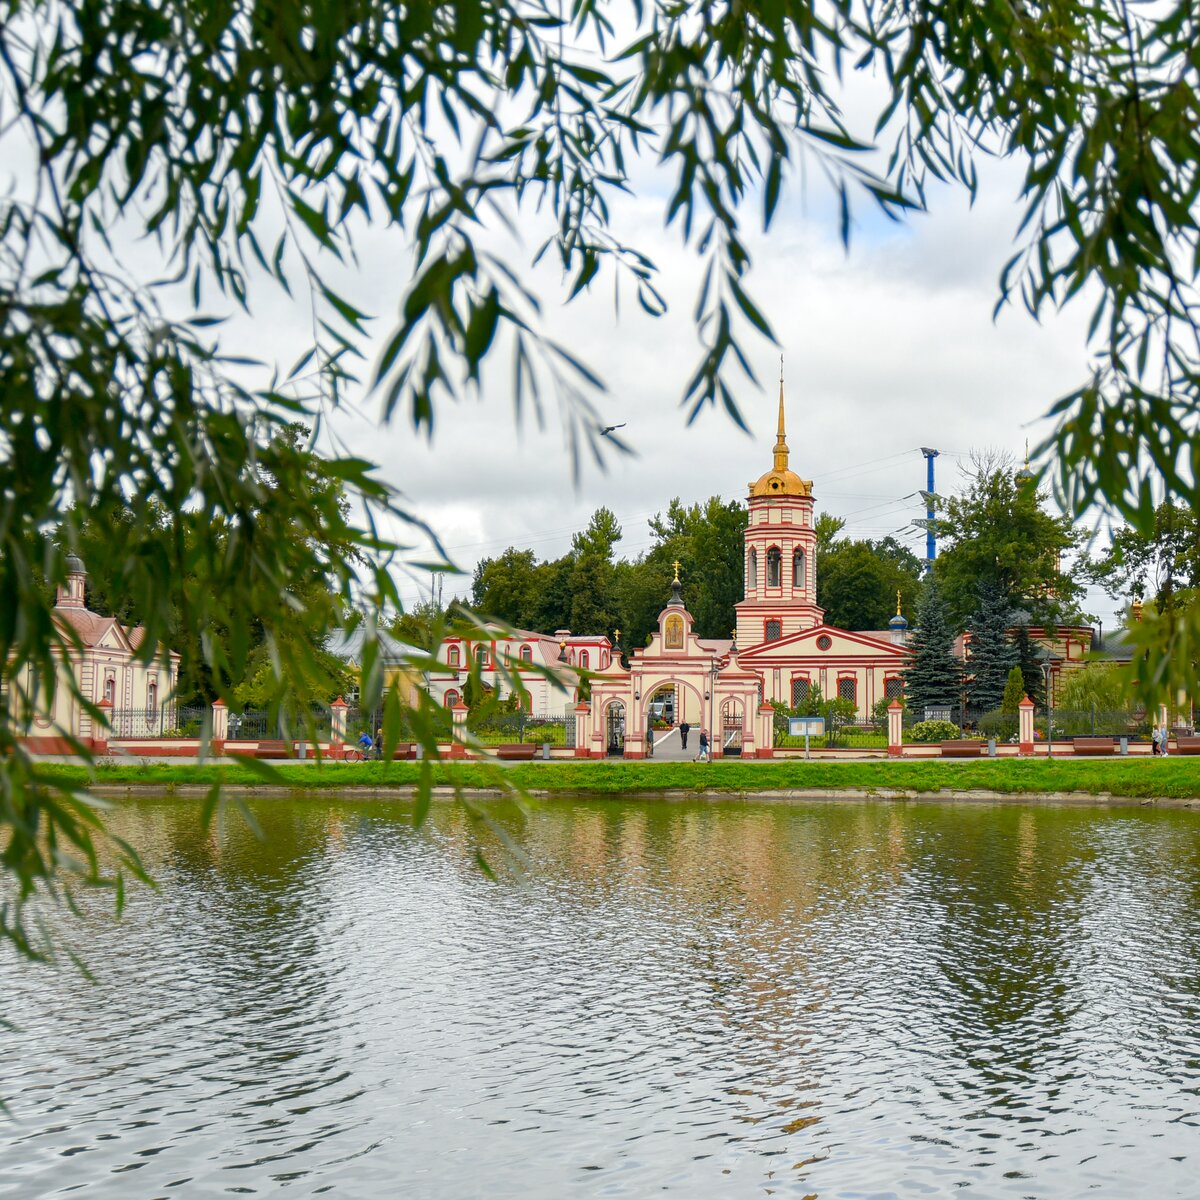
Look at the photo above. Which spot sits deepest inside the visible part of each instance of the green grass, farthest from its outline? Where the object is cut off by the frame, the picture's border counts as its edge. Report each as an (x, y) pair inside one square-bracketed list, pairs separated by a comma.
[(1175, 778)]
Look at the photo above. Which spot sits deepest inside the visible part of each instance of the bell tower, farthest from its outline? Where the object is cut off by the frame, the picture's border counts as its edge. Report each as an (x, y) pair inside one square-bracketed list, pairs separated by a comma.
[(780, 590)]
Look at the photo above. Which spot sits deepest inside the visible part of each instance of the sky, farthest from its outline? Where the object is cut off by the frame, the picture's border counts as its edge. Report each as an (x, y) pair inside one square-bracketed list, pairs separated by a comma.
[(888, 346)]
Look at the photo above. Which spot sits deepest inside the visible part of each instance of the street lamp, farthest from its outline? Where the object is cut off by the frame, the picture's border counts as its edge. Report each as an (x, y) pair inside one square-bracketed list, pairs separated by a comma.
[(1046, 670)]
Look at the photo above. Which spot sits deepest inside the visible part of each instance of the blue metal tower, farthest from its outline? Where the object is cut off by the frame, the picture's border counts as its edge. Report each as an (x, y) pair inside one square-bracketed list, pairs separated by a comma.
[(929, 498)]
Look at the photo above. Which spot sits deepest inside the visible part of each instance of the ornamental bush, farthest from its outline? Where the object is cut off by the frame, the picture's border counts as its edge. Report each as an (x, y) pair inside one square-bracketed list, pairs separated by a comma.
[(934, 731)]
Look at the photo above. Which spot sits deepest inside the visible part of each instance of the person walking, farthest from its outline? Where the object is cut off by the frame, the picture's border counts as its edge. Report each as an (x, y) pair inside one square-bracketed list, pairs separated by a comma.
[(703, 755), (1154, 740), (684, 730)]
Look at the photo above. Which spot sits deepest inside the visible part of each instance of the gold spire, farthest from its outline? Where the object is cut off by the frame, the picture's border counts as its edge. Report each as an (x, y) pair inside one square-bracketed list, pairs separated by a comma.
[(675, 564), (780, 480), (898, 613), (781, 446)]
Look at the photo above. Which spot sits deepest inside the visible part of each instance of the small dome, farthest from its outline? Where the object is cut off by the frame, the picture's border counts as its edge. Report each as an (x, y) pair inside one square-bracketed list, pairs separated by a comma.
[(781, 483), (898, 622), (75, 565)]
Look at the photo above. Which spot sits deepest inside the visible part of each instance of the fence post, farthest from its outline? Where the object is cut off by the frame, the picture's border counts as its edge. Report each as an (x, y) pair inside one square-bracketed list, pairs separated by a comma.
[(337, 728), (458, 714), (583, 729), (220, 727), (1025, 724), (100, 734), (764, 746), (895, 714)]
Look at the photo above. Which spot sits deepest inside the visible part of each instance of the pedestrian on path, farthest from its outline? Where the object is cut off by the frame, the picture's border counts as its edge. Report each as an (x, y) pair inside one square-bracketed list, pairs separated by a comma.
[(1155, 743), (684, 730), (703, 755)]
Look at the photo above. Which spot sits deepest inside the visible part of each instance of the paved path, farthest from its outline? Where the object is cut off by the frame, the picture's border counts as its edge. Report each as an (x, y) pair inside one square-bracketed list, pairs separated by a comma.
[(667, 746)]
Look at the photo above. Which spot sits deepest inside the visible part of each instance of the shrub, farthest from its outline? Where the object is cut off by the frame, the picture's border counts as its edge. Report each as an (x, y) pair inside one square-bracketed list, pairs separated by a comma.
[(1000, 725), (933, 731)]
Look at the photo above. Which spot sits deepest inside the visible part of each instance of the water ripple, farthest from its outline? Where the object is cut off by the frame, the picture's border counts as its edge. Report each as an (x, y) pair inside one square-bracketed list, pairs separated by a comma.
[(700, 999)]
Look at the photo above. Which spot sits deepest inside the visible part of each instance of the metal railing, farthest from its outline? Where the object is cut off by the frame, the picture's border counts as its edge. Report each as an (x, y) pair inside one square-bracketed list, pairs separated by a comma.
[(498, 729), (851, 736), (164, 721)]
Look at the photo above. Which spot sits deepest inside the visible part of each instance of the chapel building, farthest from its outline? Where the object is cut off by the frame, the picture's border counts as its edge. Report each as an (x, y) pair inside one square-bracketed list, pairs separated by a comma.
[(781, 650)]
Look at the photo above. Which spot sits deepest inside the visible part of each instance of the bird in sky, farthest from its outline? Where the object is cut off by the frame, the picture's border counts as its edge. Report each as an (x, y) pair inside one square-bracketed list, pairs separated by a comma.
[(611, 428)]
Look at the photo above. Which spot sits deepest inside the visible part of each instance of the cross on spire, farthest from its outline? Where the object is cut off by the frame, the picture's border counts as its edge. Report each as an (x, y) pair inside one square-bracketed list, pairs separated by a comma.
[(675, 564), (781, 446)]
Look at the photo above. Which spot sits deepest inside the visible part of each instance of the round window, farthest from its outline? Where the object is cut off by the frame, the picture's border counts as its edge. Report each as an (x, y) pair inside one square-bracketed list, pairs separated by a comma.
[(824, 642)]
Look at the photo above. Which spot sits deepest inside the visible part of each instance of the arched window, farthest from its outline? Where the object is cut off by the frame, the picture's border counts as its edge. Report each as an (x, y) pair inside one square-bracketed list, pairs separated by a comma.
[(847, 689), (450, 699), (526, 654), (605, 659), (800, 690), (773, 630), (893, 687), (774, 565), (152, 695), (110, 689), (481, 657), (752, 571), (798, 569), (584, 660), (452, 657)]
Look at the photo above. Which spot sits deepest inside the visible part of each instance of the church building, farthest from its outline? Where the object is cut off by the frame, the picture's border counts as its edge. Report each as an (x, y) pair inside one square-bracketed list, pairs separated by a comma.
[(781, 649)]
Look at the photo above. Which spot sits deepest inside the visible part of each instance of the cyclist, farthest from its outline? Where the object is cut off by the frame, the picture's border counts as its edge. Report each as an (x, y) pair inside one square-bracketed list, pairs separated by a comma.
[(365, 743)]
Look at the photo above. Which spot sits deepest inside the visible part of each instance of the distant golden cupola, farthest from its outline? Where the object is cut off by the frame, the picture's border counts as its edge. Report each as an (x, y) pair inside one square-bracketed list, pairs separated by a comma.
[(779, 480)]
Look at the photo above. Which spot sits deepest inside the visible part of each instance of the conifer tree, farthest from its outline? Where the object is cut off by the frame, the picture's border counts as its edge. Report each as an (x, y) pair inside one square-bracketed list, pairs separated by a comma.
[(992, 654), (934, 675), (1031, 666), (1014, 693)]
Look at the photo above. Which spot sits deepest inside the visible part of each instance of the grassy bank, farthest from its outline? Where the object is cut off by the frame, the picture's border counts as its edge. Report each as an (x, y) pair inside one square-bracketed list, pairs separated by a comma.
[(1174, 778)]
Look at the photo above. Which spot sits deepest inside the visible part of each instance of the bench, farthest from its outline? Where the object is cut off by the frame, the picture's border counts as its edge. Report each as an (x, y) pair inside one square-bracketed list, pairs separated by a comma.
[(966, 748), (263, 748), (1185, 744), (1094, 745), (517, 750)]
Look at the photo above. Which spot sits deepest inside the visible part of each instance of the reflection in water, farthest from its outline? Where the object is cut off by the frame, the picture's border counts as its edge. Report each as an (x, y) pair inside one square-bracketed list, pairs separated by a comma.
[(706, 999)]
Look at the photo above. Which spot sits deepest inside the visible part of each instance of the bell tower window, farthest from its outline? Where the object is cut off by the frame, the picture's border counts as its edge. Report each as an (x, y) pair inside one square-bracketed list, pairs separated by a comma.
[(798, 563), (774, 565), (752, 572)]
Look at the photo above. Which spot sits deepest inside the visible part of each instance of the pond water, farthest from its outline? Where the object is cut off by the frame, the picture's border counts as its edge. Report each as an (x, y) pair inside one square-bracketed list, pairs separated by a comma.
[(696, 999)]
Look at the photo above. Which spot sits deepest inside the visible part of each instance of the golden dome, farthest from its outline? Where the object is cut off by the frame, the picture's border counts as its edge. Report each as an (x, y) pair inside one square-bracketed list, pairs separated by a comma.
[(779, 480)]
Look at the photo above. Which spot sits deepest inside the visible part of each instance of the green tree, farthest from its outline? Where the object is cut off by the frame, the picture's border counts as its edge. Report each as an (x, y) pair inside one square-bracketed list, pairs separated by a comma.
[(505, 588), (592, 581), (934, 675), (857, 582), (998, 534), (1014, 692), (253, 149), (992, 655), (1161, 565), (1029, 659), (1098, 685)]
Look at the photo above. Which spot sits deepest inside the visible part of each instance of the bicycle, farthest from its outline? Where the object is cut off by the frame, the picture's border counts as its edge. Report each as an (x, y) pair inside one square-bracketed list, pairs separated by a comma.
[(353, 754)]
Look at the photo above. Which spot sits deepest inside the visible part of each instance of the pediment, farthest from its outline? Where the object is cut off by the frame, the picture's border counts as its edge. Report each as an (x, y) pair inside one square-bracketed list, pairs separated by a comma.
[(843, 643)]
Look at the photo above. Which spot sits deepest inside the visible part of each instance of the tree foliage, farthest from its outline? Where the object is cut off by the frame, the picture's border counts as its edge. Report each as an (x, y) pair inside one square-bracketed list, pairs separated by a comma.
[(1014, 692), (998, 534), (858, 581), (1161, 565), (934, 675), (250, 145), (992, 654), (1098, 685)]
